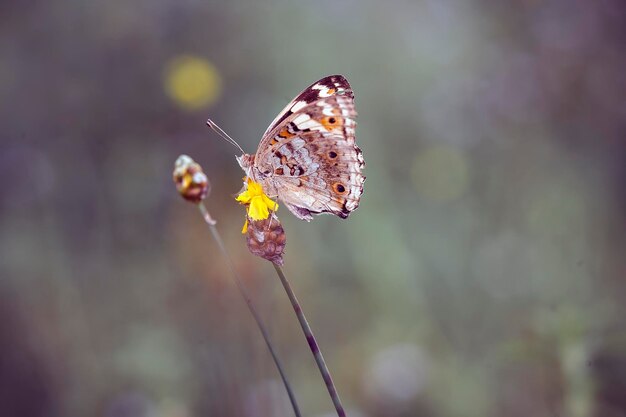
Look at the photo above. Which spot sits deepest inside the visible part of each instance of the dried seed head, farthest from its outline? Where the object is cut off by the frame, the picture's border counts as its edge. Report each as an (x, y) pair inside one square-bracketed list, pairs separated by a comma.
[(266, 238), (192, 184)]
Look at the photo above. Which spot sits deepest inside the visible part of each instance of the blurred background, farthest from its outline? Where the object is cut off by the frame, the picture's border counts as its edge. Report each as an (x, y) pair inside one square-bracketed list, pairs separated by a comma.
[(483, 274)]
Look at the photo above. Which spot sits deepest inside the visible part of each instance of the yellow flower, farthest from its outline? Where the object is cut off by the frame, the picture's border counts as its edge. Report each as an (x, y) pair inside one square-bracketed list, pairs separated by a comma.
[(258, 204)]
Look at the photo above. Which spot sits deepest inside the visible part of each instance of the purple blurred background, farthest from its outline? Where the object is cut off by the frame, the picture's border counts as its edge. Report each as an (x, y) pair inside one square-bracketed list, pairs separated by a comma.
[(483, 275)]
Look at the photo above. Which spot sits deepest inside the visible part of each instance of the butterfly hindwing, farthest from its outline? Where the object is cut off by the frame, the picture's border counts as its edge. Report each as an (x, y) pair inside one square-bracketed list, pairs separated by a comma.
[(330, 180)]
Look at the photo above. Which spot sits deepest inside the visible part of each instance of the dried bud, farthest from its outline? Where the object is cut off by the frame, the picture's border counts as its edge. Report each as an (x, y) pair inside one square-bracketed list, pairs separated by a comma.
[(190, 181), (266, 238)]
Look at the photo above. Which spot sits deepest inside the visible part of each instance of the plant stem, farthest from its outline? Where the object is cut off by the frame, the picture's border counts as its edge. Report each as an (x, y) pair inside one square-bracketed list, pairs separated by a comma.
[(308, 333), (244, 293)]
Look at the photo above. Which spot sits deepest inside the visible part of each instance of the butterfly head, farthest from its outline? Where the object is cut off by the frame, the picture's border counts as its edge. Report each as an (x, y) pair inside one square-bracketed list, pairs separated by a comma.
[(246, 162)]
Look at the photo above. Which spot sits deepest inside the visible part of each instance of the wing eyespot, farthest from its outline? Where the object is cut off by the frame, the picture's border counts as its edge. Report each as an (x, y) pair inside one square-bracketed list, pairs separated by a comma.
[(339, 188), (331, 122)]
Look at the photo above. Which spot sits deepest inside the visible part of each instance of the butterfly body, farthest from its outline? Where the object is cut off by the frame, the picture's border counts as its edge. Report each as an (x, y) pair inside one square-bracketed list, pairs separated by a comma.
[(308, 157)]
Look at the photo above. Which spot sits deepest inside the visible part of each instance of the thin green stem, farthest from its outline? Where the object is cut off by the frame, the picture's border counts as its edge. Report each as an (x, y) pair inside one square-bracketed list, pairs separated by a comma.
[(244, 293), (308, 333)]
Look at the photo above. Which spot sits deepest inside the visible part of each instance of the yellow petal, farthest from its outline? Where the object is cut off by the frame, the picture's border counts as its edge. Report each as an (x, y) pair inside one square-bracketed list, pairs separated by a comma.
[(271, 204), (244, 198), (258, 210), (245, 228), (254, 188)]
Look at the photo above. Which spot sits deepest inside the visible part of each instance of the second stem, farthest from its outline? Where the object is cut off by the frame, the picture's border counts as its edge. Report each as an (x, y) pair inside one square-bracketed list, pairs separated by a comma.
[(319, 359)]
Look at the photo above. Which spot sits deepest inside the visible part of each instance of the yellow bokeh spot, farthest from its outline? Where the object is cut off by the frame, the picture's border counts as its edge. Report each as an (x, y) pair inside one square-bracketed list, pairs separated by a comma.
[(440, 173), (192, 82)]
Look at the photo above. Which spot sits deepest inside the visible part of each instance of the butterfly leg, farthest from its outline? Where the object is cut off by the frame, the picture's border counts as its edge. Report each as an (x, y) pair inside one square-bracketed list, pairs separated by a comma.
[(272, 215)]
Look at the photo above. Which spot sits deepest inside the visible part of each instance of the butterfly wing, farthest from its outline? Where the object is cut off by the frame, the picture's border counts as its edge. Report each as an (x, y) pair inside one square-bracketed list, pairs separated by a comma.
[(329, 181), (309, 152), (326, 87)]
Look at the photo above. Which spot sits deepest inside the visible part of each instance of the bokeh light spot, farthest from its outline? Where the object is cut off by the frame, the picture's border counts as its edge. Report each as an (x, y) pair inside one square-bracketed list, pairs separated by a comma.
[(440, 173), (192, 82)]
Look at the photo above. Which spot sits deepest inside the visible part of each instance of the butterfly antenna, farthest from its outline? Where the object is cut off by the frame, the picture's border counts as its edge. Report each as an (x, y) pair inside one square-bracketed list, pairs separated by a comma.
[(223, 134)]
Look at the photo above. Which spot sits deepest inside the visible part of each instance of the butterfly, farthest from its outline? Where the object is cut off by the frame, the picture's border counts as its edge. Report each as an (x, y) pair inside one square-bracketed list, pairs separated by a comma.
[(307, 157)]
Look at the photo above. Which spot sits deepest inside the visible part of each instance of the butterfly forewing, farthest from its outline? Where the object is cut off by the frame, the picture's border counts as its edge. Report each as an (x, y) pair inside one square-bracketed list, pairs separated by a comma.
[(308, 96)]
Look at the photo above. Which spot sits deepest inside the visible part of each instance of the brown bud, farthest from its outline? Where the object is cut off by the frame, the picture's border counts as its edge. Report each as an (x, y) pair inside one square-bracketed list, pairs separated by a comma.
[(267, 239), (192, 184)]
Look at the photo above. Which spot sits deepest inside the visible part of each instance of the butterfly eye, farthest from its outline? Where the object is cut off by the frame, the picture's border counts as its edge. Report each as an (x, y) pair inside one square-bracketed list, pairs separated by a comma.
[(332, 120), (332, 154), (339, 188)]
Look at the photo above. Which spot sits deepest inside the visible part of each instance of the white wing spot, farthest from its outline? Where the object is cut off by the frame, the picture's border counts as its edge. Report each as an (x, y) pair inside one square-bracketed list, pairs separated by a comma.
[(301, 119), (310, 124), (298, 106)]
